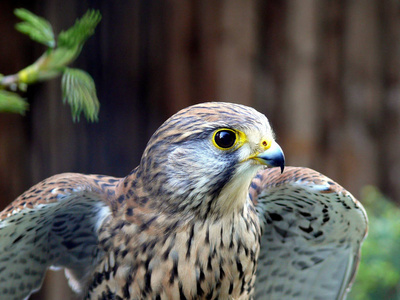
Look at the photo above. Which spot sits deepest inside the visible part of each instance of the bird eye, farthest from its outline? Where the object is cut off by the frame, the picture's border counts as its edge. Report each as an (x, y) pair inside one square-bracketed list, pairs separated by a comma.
[(224, 138)]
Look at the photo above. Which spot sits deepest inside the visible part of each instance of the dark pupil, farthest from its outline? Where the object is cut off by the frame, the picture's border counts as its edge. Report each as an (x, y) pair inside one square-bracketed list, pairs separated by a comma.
[(225, 138)]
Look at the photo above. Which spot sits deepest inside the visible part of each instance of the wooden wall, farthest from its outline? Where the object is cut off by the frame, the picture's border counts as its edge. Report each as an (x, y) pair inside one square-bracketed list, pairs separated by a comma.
[(326, 73)]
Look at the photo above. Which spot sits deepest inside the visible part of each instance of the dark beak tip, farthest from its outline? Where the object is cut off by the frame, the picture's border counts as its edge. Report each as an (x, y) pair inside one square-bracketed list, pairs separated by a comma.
[(273, 157)]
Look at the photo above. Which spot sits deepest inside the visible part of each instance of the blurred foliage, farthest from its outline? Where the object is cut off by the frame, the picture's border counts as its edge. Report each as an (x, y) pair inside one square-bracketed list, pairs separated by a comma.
[(36, 27), (80, 92), (379, 274), (11, 103), (78, 87)]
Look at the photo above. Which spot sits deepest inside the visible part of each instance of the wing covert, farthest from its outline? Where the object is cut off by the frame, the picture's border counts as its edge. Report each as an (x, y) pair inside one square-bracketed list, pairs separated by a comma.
[(312, 231), (53, 224)]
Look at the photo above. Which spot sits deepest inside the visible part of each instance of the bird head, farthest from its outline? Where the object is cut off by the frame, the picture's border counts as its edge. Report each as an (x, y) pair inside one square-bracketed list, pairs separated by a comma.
[(204, 157)]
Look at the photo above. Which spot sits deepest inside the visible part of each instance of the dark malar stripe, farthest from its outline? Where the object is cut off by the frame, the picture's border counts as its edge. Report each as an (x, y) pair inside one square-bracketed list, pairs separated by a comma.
[(189, 242)]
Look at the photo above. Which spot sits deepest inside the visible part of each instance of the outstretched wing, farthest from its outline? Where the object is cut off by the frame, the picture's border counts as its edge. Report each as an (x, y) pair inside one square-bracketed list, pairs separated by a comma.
[(53, 224), (312, 230)]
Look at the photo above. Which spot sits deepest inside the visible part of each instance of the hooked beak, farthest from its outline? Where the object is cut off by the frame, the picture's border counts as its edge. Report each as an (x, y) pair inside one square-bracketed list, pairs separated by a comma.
[(272, 157)]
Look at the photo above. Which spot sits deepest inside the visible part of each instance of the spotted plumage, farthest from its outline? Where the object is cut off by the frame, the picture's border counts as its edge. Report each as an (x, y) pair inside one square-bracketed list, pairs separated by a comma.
[(199, 218)]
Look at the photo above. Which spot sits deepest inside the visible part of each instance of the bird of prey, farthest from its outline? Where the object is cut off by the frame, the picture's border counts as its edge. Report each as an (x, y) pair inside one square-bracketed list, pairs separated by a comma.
[(201, 217)]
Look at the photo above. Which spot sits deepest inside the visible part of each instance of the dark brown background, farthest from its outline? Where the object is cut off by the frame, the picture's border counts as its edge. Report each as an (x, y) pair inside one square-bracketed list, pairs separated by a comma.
[(326, 73)]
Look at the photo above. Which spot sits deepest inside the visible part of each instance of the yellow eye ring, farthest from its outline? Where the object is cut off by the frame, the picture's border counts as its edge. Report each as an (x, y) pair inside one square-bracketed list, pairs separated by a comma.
[(225, 138)]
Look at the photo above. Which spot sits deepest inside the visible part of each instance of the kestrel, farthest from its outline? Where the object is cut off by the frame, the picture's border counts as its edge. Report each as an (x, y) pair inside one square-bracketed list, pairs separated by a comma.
[(201, 217)]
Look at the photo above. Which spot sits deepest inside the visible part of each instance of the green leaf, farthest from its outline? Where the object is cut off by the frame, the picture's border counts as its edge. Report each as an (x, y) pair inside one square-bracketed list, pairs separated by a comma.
[(36, 27), (78, 87), (81, 31), (61, 57), (79, 91), (12, 102)]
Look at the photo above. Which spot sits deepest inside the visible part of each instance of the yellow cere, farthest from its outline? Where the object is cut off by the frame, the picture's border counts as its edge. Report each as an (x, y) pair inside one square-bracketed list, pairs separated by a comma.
[(240, 138), (265, 145)]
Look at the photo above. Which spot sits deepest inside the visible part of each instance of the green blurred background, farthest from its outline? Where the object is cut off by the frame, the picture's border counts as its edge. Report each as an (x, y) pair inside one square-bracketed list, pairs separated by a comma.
[(326, 73)]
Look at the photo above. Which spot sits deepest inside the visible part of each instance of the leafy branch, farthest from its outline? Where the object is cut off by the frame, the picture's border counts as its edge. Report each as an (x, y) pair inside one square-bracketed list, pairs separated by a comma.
[(78, 88)]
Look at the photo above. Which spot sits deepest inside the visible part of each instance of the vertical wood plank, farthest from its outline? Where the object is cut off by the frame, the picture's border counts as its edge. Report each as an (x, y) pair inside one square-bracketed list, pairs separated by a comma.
[(362, 94), (236, 53), (388, 168), (179, 57), (301, 94), (332, 120), (14, 144), (269, 71)]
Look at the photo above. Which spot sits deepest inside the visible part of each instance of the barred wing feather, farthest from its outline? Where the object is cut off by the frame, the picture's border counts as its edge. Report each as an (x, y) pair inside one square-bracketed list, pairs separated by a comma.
[(312, 231), (53, 224)]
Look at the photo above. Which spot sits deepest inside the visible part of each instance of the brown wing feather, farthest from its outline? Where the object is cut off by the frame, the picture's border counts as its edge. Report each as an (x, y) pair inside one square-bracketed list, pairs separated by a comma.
[(312, 233), (51, 189), (54, 223)]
